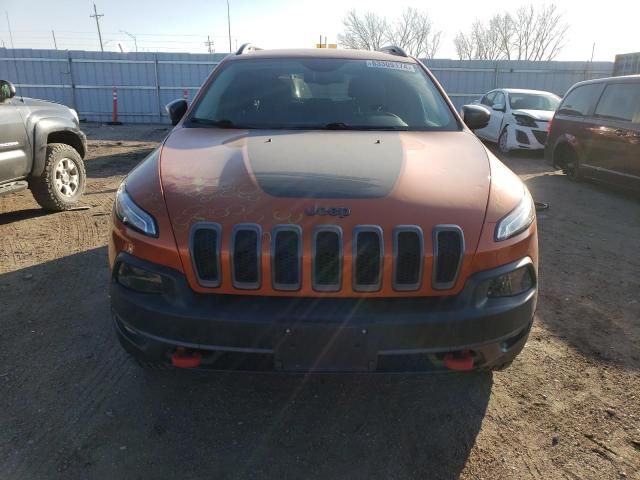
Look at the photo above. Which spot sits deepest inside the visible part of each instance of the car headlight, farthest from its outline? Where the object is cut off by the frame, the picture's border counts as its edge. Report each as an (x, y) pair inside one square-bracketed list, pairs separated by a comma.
[(512, 283), (75, 115), (132, 215), (518, 220), (525, 121)]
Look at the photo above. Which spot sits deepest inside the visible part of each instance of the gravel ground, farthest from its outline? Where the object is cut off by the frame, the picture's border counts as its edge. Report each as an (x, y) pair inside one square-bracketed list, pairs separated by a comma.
[(74, 406)]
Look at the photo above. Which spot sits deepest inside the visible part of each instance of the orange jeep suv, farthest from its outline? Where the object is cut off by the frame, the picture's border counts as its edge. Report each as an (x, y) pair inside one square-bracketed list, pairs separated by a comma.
[(323, 210)]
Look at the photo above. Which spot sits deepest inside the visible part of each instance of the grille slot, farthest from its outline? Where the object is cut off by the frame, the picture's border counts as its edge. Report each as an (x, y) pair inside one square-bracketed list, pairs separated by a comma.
[(246, 256), (286, 257), (540, 135), (205, 253), (327, 258), (448, 250), (367, 258), (408, 248)]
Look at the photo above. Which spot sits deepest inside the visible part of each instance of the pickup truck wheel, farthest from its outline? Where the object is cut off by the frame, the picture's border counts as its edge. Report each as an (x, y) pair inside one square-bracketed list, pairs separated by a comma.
[(63, 180)]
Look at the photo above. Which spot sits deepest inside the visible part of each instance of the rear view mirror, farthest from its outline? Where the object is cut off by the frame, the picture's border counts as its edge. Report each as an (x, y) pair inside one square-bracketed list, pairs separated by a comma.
[(498, 107), (476, 116), (7, 90), (176, 110)]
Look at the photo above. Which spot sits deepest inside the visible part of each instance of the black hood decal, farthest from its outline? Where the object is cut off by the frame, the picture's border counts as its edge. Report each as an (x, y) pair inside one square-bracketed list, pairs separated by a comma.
[(318, 164)]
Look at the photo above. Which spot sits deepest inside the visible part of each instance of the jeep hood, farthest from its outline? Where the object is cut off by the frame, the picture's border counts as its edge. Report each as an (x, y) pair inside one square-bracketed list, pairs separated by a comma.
[(272, 177)]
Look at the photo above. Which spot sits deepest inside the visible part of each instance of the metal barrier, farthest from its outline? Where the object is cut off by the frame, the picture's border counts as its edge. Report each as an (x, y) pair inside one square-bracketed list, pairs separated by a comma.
[(146, 82)]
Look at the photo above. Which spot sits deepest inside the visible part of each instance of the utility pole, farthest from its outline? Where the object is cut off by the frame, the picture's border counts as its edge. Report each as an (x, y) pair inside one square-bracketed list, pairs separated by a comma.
[(209, 44), (135, 40), (229, 24), (97, 17), (55, 44), (9, 27)]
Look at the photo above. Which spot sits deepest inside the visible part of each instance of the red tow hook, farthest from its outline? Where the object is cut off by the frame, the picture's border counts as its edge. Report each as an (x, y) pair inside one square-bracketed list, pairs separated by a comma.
[(184, 358), (459, 361)]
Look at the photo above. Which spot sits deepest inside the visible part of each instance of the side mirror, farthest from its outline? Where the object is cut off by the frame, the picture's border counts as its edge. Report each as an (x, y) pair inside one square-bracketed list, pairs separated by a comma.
[(498, 107), (176, 110), (7, 90), (476, 116)]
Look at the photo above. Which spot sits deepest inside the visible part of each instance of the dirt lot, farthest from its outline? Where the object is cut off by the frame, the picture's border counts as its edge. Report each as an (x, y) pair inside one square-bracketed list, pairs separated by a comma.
[(73, 406)]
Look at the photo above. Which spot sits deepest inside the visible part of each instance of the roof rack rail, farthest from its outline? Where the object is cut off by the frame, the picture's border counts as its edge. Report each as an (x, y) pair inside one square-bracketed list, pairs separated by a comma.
[(393, 50), (246, 48)]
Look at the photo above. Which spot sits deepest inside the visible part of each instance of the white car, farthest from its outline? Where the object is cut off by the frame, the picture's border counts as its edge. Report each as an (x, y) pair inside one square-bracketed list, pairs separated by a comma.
[(519, 118)]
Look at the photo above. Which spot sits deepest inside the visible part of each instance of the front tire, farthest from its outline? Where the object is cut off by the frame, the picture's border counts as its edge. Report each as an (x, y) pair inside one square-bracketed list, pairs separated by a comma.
[(63, 180), (567, 159), (502, 141)]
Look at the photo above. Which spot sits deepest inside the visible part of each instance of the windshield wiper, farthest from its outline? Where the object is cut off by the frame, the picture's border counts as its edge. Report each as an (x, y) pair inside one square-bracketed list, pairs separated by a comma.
[(224, 123), (337, 126), (346, 126)]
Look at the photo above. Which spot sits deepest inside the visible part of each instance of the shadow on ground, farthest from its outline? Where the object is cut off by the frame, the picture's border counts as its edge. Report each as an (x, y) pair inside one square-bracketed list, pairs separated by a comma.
[(75, 406), (125, 133), (116, 164), (26, 214)]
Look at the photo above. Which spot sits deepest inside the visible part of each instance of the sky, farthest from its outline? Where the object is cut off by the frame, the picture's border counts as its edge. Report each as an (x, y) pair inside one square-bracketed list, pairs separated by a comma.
[(183, 26)]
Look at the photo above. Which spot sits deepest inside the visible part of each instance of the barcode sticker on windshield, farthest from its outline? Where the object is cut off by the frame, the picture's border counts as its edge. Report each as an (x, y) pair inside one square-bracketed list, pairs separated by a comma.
[(406, 67)]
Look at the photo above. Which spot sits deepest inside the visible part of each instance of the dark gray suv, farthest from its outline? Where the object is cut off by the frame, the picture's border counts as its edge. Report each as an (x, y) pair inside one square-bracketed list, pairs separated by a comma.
[(41, 148)]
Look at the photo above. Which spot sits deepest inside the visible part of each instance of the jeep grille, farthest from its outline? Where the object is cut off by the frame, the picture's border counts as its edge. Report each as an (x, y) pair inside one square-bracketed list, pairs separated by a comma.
[(327, 263)]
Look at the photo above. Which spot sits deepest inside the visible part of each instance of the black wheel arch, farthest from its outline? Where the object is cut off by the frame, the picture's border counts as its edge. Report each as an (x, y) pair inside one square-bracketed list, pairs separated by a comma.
[(55, 130)]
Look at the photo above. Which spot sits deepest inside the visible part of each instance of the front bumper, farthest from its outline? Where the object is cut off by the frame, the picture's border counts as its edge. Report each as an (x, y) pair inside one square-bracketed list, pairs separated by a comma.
[(321, 334), (526, 138)]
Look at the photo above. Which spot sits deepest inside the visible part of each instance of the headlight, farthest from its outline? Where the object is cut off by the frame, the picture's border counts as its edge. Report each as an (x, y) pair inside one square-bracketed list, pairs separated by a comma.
[(512, 283), (75, 115), (131, 214), (518, 220), (525, 121), (139, 279)]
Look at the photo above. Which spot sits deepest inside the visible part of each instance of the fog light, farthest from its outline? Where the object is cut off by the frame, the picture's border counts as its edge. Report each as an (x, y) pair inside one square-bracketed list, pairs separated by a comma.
[(511, 283), (139, 279)]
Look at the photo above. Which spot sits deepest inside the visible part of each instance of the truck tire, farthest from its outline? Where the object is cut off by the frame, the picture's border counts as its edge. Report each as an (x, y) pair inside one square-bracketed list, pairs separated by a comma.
[(62, 182)]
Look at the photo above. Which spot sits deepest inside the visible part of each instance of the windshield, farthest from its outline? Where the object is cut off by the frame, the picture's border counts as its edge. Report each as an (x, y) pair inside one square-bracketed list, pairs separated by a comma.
[(323, 94), (533, 101)]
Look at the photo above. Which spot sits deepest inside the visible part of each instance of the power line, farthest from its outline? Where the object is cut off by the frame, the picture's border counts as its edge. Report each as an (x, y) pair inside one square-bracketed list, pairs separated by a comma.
[(97, 17)]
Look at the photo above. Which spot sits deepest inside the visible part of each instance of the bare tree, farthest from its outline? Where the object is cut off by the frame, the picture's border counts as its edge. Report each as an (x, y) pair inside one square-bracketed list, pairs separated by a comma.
[(464, 46), (368, 32), (412, 31), (487, 42), (504, 30), (550, 34), (482, 43), (528, 34)]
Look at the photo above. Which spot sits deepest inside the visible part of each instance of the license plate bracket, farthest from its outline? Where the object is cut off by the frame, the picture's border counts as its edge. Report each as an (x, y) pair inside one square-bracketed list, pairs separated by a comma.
[(318, 349)]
